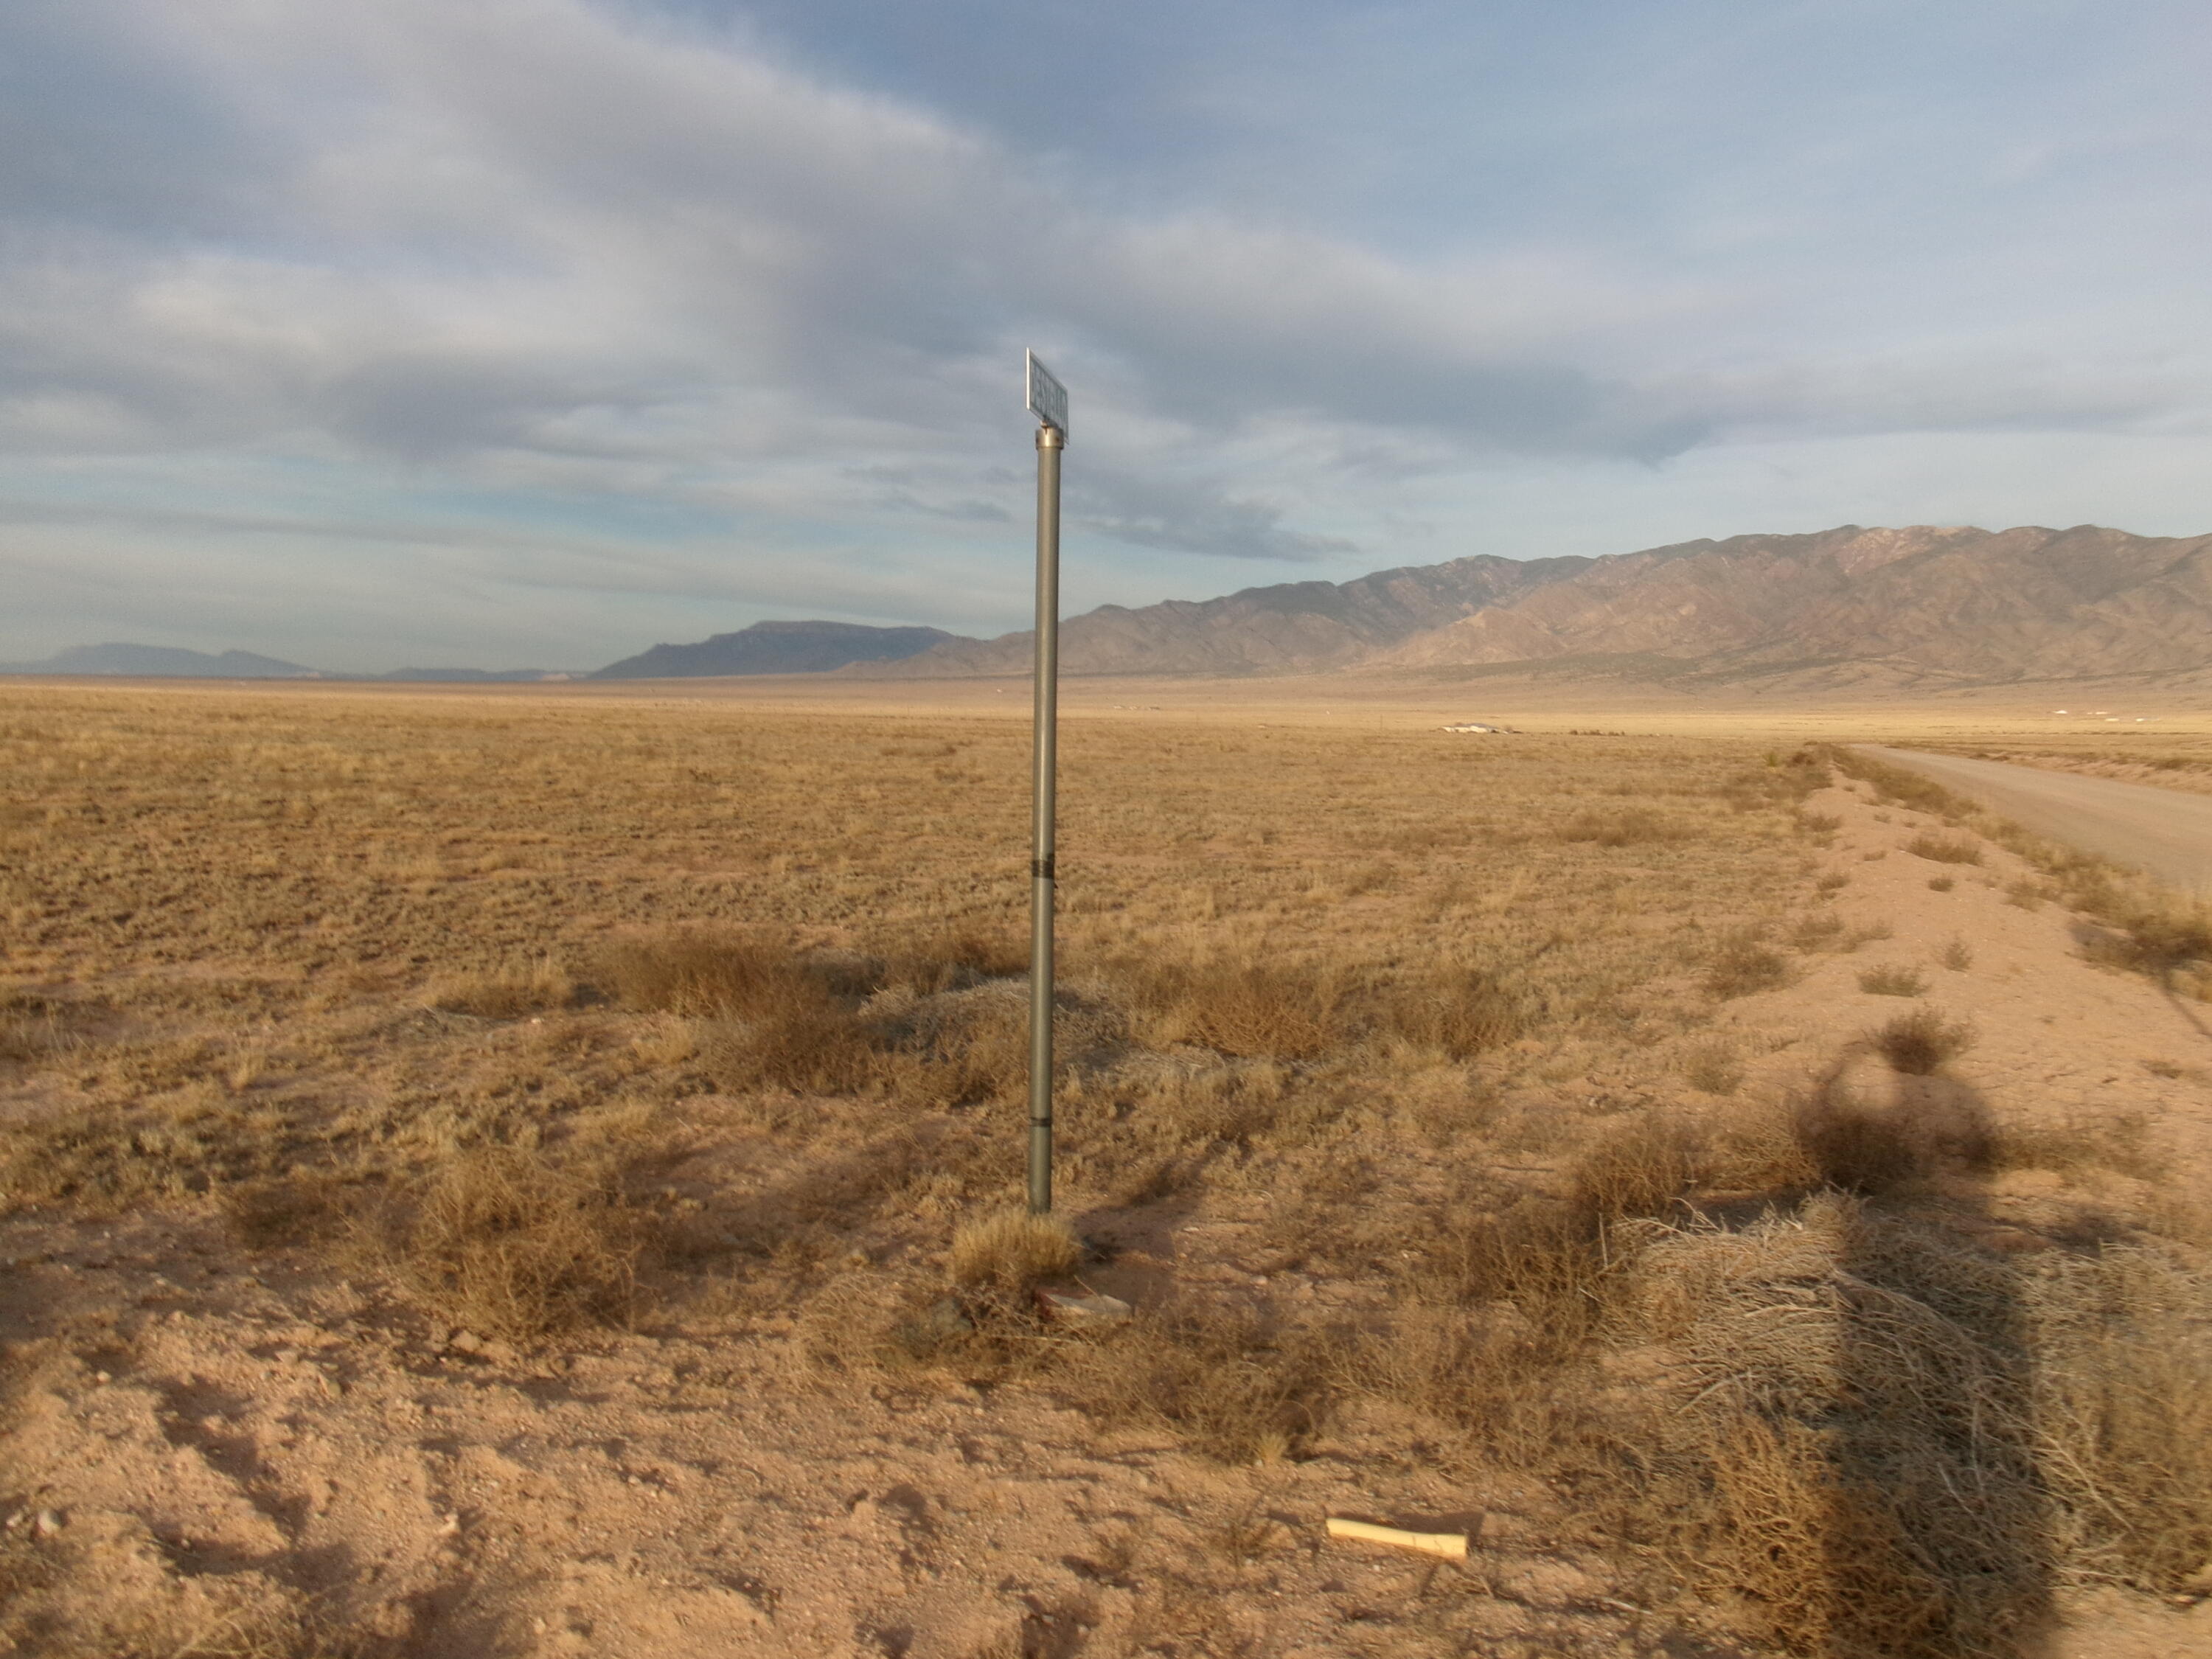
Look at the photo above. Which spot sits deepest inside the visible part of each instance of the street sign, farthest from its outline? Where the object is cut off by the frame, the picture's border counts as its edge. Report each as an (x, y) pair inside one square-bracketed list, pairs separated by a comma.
[(1048, 397)]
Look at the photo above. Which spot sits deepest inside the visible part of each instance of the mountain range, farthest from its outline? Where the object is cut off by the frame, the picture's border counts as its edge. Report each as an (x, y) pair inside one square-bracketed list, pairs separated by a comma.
[(1922, 607), (781, 648)]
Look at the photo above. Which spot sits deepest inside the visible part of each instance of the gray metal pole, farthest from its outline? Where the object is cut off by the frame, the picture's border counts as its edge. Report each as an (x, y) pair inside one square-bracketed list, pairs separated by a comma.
[(1049, 442)]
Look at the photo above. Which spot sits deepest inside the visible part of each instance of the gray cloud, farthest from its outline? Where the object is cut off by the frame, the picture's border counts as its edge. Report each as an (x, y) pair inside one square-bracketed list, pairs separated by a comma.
[(633, 280)]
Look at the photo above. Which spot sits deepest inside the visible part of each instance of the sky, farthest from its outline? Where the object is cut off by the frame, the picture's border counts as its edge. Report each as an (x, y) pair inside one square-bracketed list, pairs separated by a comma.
[(513, 334)]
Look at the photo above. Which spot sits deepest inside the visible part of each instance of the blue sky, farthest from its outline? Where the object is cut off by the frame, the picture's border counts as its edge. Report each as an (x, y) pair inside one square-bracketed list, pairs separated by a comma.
[(508, 332)]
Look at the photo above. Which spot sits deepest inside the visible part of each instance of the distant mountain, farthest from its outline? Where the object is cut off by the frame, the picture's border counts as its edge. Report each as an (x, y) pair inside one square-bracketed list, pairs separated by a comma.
[(781, 648), (162, 659), (1850, 606), (1839, 609), (1293, 628)]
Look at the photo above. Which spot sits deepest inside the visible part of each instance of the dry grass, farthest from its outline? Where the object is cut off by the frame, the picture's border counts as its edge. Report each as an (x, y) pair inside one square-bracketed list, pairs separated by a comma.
[(2150, 928), (555, 1011), (511, 1245), (1892, 979), (1013, 1251), (1945, 849), (1743, 967)]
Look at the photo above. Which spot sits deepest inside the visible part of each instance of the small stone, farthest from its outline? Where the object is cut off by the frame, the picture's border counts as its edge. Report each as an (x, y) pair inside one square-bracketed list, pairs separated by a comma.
[(101, 1379), (1083, 1310), (467, 1342), (500, 1354), (451, 1526), (47, 1523), (286, 1356)]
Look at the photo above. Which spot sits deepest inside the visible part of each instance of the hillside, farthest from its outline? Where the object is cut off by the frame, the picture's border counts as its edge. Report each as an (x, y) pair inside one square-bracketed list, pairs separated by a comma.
[(1845, 608), (1292, 627), (782, 647), (162, 659)]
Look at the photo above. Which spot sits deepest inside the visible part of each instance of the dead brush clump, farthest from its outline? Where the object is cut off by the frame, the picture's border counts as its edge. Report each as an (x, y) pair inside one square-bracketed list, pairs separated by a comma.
[(513, 1244), (1459, 1012), (1945, 849), (768, 1016), (1504, 1394), (1010, 1254), (1920, 1042), (1248, 1009), (1742, 966), (1892, 979), (1852, 1456), (2123, 1411)]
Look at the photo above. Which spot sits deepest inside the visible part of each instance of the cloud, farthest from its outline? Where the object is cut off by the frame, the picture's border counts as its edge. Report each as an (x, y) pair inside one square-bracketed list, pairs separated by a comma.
[(1190, 519), (612, 275)]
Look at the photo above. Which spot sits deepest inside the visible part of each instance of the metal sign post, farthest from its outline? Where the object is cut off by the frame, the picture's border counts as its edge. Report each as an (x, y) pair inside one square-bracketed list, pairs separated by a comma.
[(1048, 401)]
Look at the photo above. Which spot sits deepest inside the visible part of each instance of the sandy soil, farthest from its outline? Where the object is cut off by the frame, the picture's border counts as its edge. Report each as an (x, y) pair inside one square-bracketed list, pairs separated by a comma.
[(2165, 832), (657, 1494)]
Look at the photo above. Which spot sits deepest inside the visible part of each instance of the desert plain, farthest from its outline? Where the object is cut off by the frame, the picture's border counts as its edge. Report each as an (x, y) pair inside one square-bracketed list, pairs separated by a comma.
[(536, 1172)]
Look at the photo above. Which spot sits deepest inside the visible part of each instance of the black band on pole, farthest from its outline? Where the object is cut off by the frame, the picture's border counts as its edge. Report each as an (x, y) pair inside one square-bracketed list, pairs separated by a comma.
[(1042, 867)]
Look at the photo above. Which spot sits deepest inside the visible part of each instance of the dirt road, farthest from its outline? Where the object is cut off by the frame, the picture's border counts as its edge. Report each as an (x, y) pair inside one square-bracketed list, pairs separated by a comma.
[(2163, 832)]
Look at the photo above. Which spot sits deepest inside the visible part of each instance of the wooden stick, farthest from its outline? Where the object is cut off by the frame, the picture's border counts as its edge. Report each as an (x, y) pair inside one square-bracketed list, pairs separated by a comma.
[(1452, 1546)]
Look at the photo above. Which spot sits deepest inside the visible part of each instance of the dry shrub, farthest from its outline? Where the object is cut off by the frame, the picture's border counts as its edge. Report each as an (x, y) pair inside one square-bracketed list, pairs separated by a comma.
[(1248, 1009), (2124, 1411), (1226, 1385), (1638, 1170), (807, 1043), (2156, 938), (1852, 1455), (954, 955), (1892, 980), (1942, 884), (702, 975), (1460, 1012), (770, 1018), (1552, 1262), (1820, 931), (508, 993), (1012, 1252), (1742, 966), (1826, 1564), (1919, 1043), (1506, 1394), (510, 1244), (1945, 849)]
